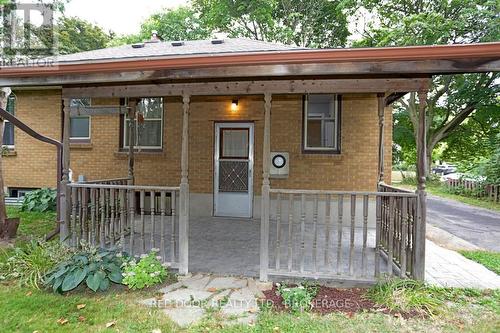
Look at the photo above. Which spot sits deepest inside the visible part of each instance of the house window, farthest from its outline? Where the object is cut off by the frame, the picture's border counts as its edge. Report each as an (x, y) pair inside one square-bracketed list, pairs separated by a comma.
[(322, 123), (149, 124), (80, 125), (8, 134)]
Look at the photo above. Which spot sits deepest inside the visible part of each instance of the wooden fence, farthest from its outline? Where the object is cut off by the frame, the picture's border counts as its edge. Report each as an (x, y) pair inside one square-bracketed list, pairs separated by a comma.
[(135, 219), (340, 235), (480, 190)]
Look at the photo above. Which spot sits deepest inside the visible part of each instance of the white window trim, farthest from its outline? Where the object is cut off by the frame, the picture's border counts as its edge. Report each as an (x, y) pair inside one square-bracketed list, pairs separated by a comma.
[(11, 147), (125, 129), (336, 147), (76, 138)]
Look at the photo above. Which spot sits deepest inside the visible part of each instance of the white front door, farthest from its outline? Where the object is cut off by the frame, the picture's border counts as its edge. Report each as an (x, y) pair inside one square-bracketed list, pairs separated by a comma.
[(233, 178)]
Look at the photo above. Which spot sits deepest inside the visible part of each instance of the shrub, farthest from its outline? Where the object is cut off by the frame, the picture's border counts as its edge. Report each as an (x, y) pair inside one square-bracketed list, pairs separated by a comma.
[(96, 268), (42, 200), (29, 263), (145, 273), (299, 298)]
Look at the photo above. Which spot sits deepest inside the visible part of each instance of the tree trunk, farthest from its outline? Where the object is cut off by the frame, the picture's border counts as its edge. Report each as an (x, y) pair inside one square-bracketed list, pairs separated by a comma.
[(4, 228)]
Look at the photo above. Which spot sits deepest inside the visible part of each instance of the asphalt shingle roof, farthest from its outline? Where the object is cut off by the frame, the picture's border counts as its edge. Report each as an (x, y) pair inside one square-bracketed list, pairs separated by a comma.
[(166, 49)]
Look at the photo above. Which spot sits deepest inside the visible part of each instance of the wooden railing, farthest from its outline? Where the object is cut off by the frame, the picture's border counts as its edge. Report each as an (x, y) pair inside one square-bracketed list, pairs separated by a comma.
[(330, 234), (398, 216), (112, 181), (480, 190), (134, 219)]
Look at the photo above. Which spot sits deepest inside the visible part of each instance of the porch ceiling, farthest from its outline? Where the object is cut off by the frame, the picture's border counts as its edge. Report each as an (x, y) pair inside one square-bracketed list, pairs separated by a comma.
[(385, 86)]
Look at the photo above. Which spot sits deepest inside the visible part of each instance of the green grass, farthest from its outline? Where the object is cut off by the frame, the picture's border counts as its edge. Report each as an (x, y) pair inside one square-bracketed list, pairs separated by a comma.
[(490, 260), (25, 310), (33, 224)]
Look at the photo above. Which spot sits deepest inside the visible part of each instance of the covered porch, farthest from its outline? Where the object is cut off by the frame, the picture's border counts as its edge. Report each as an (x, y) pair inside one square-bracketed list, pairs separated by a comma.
[(353, 236)]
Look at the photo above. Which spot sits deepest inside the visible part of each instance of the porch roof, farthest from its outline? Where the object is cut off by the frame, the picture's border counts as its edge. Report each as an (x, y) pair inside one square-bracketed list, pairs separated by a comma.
[(247, 59)]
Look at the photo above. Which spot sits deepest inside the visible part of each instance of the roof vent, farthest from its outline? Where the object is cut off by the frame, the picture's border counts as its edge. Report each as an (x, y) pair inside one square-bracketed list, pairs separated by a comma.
[(217, 41), (138, 45), (177, 43), (154, 37)]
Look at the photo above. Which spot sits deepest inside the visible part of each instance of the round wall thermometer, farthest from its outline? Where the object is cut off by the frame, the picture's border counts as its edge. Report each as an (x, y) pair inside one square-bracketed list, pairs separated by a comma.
[(279, 161)]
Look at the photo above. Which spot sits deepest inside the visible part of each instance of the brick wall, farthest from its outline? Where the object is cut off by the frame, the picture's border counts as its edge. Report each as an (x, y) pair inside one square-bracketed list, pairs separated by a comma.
[(354, 169), (34, 163)]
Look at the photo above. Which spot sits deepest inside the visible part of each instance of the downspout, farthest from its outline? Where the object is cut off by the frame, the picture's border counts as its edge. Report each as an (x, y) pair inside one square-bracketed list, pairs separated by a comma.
[(28, 130)]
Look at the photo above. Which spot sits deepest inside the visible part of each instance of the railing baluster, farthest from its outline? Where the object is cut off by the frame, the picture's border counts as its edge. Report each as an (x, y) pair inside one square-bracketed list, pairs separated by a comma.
[(278, 231), (85, 199), (141, 204), (102, 241), (123, 218), (112, 201), (152, 211), (365, 234), (351, 244), (290, 232), (302, 231), (315, 234), (391, 235), (92, 217), (339, 233), (328, 220), (404, 227), (79, 233), (172, 226), (74, 201), (162, 225), (107, 214), (131, 205), (378, 234)]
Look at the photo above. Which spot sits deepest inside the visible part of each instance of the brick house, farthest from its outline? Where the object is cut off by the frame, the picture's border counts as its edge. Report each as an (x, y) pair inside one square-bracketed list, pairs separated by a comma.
[(232, 128)]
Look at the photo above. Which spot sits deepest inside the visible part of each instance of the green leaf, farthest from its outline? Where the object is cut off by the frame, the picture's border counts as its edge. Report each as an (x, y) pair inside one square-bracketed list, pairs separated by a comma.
[(72, 280), (116, 276), (104, 284), (93, 281), (57, 283)]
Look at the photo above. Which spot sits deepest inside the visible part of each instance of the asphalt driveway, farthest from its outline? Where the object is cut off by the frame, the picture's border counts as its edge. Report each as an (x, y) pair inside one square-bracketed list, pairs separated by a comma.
[(478, 226)]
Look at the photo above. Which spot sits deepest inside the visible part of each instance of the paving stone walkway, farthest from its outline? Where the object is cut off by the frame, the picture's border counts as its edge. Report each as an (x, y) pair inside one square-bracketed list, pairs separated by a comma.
[(447, 268), (188, 301)]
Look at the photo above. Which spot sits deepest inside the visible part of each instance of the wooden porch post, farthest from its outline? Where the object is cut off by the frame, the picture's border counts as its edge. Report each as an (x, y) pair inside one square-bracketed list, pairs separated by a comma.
[(184, 191), (381, 123), (265, 205), (132, 104), (381, 120), (419, 246), (65, 199)]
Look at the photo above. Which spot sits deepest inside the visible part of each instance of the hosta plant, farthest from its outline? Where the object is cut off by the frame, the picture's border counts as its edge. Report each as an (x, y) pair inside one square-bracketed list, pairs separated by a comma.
[(146, 272), (42, 200), (95, 268)]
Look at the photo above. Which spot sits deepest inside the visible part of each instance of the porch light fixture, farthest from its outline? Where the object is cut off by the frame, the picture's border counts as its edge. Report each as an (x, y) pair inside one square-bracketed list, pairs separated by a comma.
[(234, 105)]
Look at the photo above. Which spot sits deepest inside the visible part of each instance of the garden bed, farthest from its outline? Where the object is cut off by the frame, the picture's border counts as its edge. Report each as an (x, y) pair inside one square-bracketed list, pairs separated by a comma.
[(330, 300)]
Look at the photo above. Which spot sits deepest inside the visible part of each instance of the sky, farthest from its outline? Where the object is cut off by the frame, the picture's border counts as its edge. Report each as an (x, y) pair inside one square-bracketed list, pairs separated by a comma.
[(121, 16)]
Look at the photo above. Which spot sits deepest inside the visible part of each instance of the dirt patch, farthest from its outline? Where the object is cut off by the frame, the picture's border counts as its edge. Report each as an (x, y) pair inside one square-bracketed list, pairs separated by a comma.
[(348, 301)]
